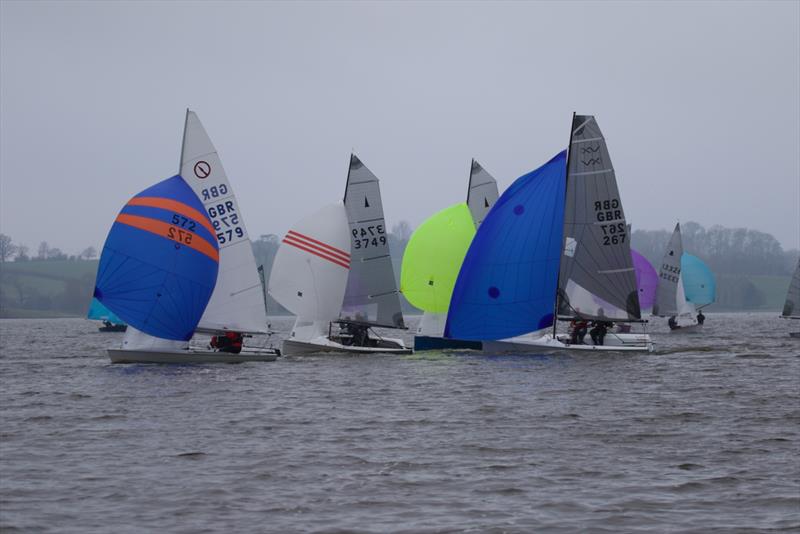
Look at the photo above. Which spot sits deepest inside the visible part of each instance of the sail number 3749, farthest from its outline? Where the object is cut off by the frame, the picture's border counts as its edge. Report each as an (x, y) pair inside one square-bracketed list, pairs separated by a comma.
[(369, 236)]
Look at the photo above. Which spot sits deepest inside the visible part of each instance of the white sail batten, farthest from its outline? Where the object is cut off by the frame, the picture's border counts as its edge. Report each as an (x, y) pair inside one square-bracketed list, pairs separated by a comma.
[(238, 299)]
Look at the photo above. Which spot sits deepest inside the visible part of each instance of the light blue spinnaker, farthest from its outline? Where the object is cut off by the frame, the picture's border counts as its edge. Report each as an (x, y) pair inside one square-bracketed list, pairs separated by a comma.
[(98, 312), (507, 283), (698, 281)]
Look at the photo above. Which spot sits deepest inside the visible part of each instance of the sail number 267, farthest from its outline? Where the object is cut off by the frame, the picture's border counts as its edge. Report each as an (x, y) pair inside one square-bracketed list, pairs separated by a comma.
[(369, 236), (614, 233)]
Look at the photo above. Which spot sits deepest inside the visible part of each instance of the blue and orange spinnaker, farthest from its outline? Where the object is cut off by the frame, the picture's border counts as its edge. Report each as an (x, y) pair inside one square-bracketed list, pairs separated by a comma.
[(160, 261)]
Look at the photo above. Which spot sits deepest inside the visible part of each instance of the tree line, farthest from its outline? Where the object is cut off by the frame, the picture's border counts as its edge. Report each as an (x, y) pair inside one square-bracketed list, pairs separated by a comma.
[(727, 251), (20, 252), (739, 258)]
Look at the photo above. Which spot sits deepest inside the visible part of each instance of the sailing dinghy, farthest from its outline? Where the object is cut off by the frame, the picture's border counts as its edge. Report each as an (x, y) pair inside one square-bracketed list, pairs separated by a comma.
[(554, 247), (178, 261), (791, 308), (333, 271), (685, 286), (433, 258), (111, 323)]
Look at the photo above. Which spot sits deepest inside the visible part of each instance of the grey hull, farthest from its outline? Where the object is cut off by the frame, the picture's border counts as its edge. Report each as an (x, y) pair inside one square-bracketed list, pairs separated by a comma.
[(188, 356)]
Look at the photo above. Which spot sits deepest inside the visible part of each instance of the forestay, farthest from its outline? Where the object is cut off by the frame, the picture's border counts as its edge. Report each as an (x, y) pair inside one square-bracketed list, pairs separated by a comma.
[(237, 302), (791, 307), (310, 270), (371, 295), (597, 279), (482, 193), (508, 279), (159, 263)]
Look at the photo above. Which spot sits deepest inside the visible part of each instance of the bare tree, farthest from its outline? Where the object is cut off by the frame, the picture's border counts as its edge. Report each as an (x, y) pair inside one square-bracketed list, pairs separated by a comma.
[(56, 254), (402, 231), (7, 248), (22, 253), (44, 250), (88, 253)]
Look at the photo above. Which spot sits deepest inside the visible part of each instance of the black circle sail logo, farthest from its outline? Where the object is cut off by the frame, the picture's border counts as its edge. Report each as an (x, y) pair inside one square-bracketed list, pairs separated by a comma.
[(202, 169)]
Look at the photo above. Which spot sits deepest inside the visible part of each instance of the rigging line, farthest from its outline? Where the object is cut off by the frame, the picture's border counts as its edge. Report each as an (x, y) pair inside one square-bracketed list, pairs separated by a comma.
[(245, 289)]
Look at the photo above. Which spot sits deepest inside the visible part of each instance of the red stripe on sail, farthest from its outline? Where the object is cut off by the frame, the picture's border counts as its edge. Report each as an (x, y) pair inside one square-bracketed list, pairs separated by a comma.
[(319, 244), (304, 247), (319, 250)]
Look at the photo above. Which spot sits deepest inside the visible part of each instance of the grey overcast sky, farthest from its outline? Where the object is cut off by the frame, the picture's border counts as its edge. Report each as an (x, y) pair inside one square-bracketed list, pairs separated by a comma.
[(699, 103)]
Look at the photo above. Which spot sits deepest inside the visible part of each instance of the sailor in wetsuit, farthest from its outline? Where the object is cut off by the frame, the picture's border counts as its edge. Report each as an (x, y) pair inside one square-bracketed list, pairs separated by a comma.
[(673, 324), (700, 317), (599, 331), (579, 327), (230, 342)]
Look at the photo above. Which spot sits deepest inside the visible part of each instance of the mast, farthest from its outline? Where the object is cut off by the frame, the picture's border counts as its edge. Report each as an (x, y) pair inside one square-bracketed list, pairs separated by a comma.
[(183, 140), (561, 252), (469, 181), (347, 180)]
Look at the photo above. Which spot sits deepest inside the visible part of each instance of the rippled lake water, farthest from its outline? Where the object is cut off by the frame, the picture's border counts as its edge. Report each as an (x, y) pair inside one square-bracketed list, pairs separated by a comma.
[(702, 435)]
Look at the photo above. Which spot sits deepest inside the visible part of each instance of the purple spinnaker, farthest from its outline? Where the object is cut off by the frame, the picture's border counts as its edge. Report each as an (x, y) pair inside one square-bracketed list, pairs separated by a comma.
[(646, 280)]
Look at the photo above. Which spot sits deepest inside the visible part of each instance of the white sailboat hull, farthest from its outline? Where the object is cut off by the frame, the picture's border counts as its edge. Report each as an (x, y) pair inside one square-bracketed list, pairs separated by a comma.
[(190, 356), (323, 344), (546, 343)]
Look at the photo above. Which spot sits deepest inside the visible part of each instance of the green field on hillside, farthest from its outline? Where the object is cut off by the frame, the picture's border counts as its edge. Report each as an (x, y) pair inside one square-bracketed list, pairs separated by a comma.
[(46, 288)]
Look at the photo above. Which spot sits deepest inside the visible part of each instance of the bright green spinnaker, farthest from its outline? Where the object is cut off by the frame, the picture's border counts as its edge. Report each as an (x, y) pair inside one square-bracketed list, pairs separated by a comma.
[(433, 258)]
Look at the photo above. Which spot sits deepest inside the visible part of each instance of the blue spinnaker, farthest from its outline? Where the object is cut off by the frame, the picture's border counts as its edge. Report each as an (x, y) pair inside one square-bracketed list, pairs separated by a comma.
[(698, 281), (507, 283), (160, 261), (98, 312)]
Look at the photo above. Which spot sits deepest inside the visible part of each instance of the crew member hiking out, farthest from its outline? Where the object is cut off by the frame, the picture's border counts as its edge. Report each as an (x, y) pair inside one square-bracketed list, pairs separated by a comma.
[(230, 342)]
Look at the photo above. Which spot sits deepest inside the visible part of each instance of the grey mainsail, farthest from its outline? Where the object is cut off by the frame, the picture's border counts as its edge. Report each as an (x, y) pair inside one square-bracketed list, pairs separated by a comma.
[(482, 192), (371, 295), (669, 277), (597, 279), (791, 307)]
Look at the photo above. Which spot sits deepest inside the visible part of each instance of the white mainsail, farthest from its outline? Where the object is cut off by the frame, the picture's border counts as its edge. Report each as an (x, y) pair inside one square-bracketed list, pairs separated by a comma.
[(310, 271), (237, 302), (670, 296)]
